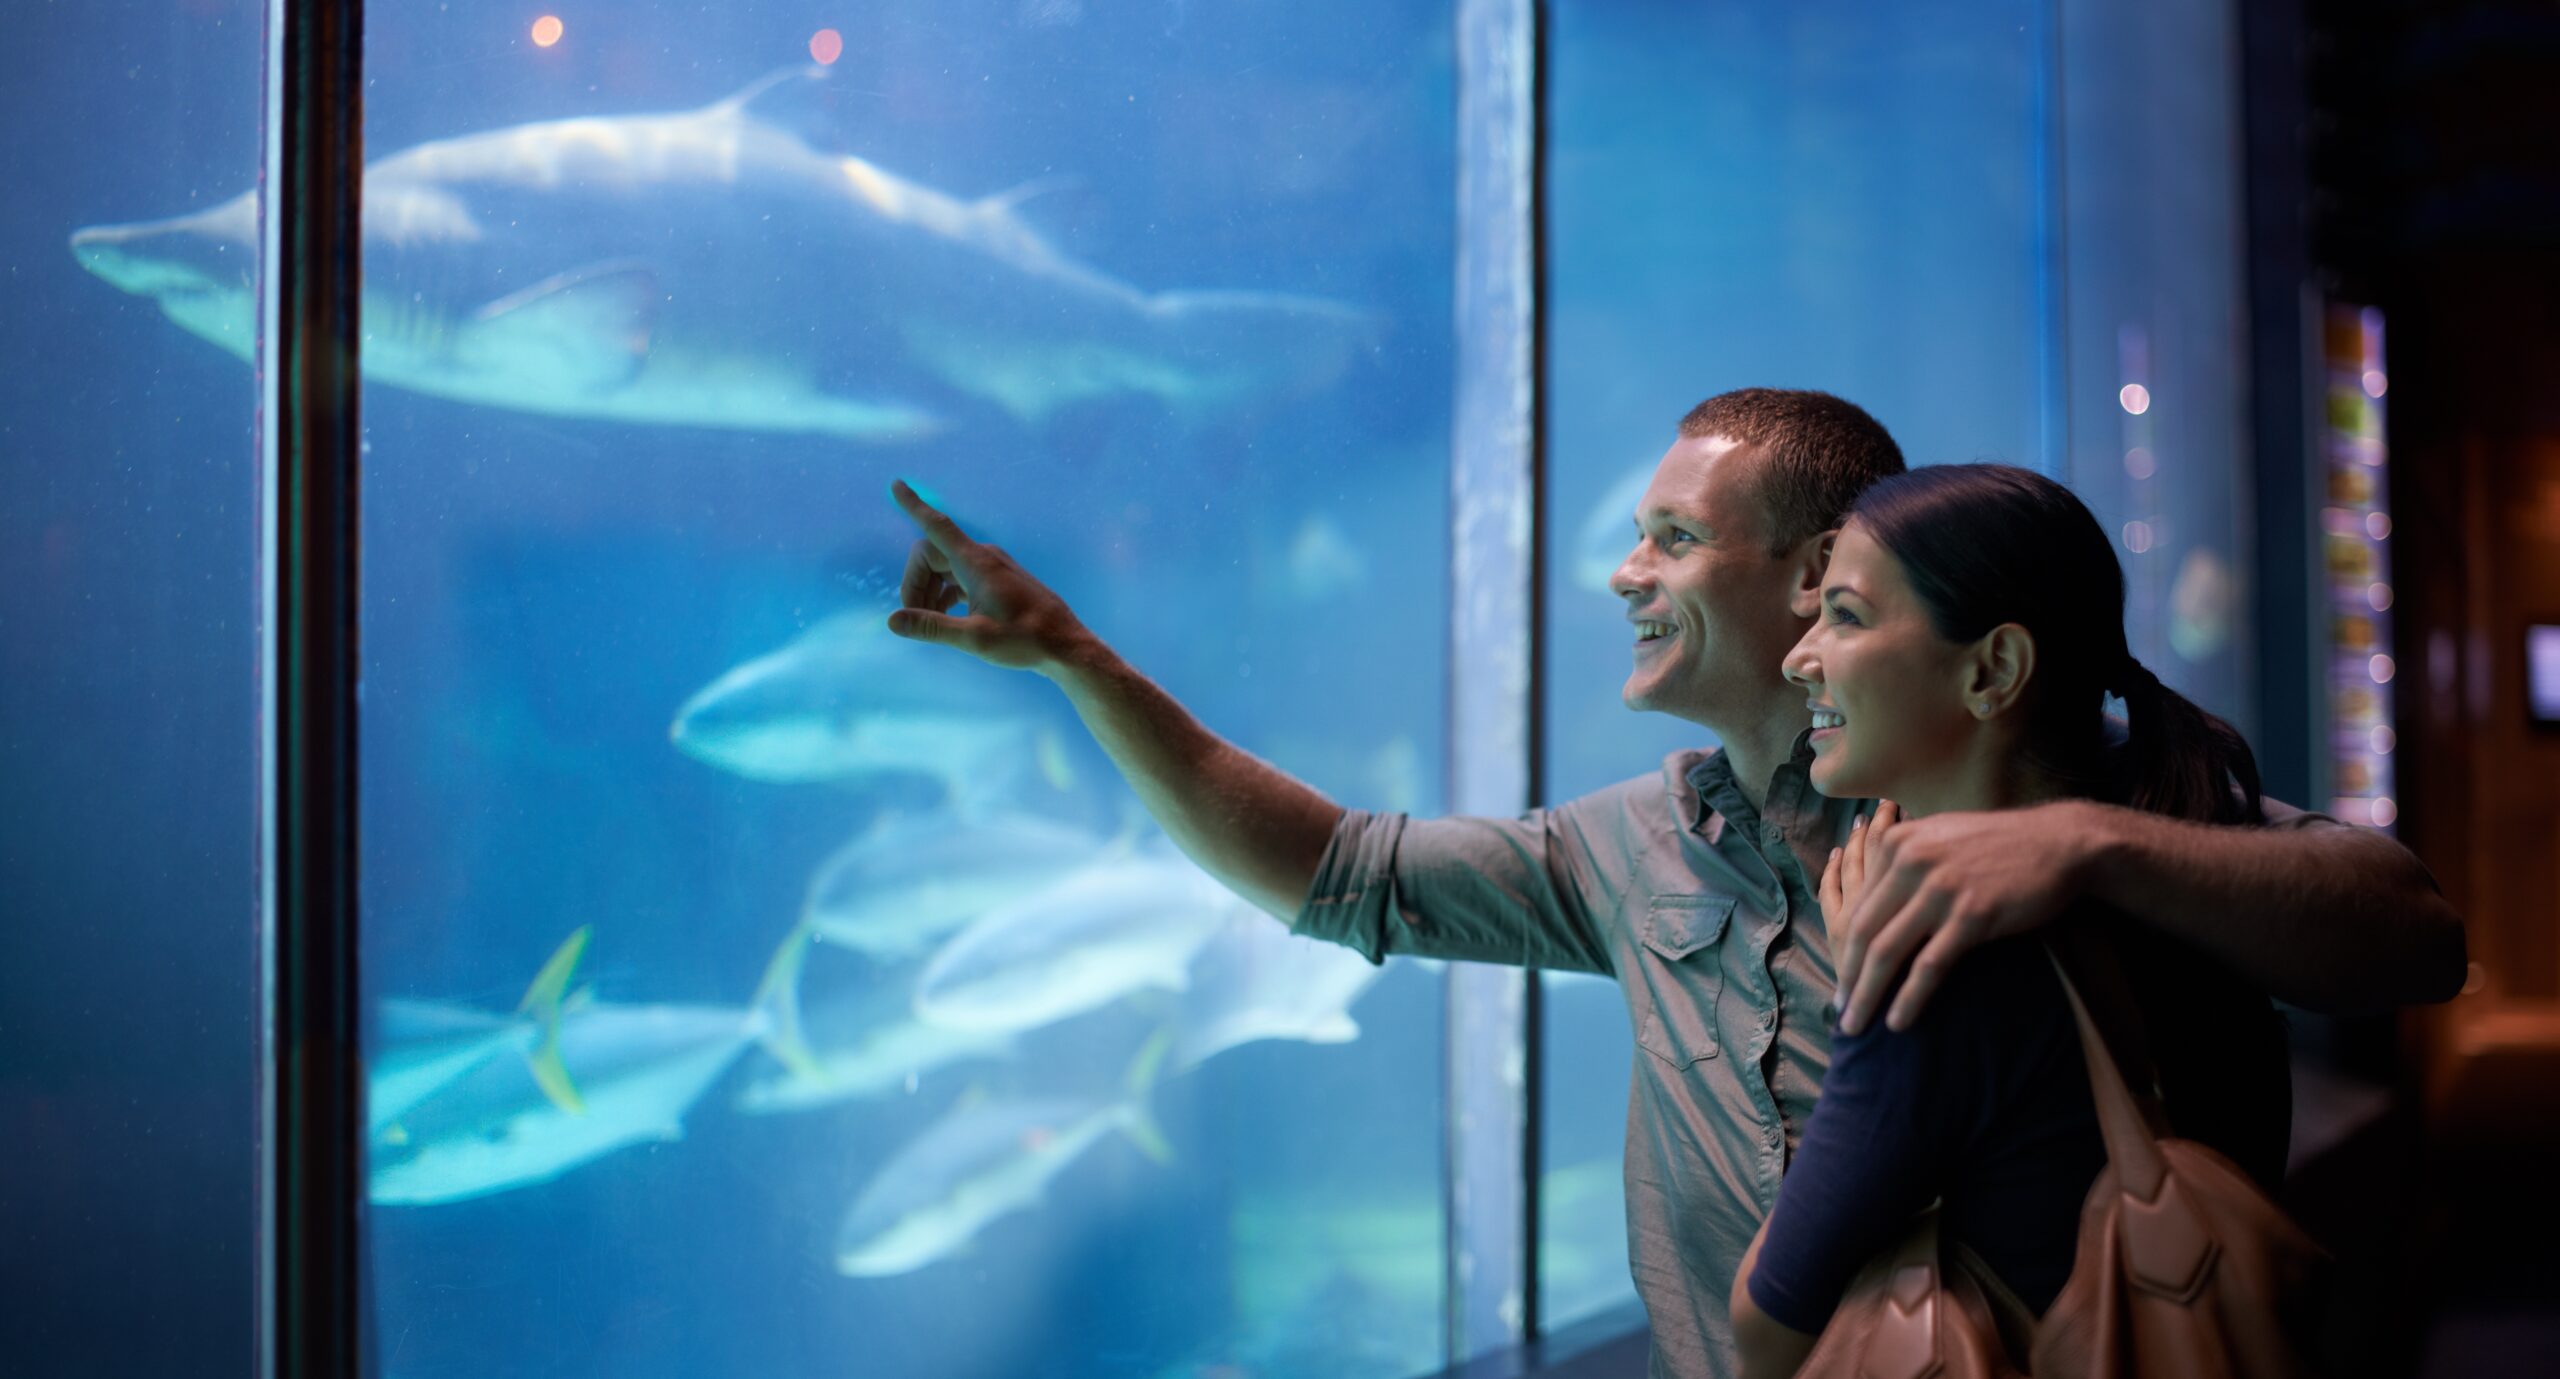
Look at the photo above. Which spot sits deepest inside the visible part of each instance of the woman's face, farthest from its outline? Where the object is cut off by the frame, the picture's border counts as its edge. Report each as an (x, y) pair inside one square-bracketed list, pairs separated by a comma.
[(1887, 692)]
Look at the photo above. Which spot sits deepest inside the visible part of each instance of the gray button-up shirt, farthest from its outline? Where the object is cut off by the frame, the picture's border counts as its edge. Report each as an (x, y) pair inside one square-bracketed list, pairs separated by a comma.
[(1703, 909)]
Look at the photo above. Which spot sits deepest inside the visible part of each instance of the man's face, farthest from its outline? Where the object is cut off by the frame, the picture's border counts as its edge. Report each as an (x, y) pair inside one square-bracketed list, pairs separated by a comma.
[(1711, 605)]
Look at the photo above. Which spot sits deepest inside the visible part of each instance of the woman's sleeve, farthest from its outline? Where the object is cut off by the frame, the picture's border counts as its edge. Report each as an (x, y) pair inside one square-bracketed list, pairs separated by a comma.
[(1896, 1112)]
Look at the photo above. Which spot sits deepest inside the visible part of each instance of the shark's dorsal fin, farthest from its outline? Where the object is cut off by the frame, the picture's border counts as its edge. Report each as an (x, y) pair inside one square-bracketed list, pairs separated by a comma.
[(731, 106)]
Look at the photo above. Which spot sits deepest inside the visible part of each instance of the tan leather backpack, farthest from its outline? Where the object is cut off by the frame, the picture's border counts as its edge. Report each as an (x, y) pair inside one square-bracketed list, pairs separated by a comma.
[(2185, 1270)]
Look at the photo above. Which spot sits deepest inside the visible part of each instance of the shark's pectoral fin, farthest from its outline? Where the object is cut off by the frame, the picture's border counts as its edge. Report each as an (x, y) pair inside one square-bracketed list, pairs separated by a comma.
[(585, 330)]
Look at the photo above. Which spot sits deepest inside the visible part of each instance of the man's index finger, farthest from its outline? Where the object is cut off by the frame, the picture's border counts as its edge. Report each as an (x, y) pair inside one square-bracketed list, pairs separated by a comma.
[(938, 527)]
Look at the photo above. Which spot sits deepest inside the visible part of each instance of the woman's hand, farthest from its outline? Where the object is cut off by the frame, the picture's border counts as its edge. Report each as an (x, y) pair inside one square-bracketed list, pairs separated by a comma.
[(1844, 877)]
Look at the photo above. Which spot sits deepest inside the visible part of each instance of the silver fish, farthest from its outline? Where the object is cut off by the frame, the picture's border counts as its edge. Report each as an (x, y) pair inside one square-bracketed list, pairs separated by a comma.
[(1099, 935), (847, 699), (986, 1159), (907, 883), (1257, 981)]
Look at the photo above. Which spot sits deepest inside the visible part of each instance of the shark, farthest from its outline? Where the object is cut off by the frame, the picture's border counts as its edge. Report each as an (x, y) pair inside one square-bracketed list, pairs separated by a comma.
[(710, 268)]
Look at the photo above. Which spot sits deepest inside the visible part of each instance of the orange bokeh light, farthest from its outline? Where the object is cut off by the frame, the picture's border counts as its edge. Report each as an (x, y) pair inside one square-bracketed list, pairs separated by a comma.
[(826, 45), (546, 31)]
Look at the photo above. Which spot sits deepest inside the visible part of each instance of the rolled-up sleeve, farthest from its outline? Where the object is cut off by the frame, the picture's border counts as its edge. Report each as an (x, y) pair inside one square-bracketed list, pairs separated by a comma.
[(1519, 891)]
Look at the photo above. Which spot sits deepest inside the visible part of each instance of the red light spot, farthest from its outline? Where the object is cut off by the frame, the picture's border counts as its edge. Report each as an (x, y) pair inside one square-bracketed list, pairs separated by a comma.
[(546, 31), (826, 45)]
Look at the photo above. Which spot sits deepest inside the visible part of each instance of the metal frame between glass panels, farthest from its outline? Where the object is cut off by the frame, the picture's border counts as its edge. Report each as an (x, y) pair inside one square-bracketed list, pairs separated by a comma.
[(312, 1100)]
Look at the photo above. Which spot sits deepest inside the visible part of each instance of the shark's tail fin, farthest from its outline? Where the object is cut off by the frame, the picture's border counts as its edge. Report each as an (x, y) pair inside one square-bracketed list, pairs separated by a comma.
[(777, 1004), (543, 1001), (1139, 1121)]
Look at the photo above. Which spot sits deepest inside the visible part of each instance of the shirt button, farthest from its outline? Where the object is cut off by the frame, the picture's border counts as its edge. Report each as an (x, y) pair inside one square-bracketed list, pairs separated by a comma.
[(1772, 832), (1768, 1019)]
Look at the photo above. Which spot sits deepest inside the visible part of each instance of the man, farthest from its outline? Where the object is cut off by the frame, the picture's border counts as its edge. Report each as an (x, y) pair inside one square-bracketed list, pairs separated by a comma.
[(1694, 886)]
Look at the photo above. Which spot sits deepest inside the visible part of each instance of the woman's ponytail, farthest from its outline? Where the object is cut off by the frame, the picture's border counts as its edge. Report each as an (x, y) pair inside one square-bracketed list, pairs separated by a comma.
[(2179, 759)]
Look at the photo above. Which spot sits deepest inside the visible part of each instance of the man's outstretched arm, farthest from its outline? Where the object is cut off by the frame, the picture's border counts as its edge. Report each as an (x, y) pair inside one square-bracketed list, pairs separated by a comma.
[(1258, 830), (2329, 918)]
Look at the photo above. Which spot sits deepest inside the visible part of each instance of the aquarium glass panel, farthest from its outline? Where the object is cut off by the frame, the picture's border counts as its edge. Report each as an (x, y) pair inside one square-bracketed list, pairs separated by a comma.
[(1826, 195), (129, 776), (2158, 398), (754, 992)]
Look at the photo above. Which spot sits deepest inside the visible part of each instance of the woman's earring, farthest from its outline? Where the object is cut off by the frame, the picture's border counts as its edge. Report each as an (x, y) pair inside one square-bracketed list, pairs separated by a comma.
[(1982, 708)]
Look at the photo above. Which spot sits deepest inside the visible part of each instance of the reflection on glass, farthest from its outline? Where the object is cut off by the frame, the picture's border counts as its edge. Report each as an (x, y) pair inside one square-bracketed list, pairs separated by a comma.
[(129, 710), (756, 992), (2152, 284)]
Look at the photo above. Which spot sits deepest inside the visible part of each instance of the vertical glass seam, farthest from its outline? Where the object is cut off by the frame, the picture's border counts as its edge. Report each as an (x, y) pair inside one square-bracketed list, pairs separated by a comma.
[(312, 1104)]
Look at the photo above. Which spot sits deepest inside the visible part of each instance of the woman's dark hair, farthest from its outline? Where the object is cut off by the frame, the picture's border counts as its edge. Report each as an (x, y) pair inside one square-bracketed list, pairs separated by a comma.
[(1986, 544)]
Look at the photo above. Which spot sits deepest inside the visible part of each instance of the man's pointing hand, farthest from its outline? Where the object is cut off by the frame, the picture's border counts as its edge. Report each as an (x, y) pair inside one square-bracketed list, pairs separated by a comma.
[(1013, 619)]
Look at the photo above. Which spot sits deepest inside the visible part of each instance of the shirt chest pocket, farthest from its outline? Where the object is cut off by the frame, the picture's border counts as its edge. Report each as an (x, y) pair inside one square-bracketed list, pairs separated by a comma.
[(1680, 976)]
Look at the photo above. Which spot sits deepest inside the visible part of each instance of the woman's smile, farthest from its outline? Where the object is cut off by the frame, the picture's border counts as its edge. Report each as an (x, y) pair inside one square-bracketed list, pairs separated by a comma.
[(1828, 723)]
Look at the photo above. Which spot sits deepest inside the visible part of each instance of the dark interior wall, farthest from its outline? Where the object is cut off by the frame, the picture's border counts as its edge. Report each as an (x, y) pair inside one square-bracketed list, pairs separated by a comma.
[(2435, 172)]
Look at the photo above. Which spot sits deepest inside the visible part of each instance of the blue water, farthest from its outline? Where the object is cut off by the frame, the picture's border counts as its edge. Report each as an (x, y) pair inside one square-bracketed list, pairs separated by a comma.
[(1979, 226)]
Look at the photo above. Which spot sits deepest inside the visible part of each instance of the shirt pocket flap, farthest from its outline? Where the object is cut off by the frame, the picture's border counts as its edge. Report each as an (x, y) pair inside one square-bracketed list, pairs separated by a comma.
[(1677, 925)]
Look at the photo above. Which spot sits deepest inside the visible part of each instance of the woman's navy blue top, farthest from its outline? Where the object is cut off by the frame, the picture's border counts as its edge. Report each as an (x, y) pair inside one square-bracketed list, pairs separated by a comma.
[(1984, 1104)]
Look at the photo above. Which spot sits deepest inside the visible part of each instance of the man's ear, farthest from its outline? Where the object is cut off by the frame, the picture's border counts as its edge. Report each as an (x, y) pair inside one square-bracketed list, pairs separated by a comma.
[(1812, 559), (1998, 669)]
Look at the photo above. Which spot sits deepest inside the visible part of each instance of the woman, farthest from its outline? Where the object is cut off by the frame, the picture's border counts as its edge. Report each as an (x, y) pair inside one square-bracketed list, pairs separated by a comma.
[(1970, 631)]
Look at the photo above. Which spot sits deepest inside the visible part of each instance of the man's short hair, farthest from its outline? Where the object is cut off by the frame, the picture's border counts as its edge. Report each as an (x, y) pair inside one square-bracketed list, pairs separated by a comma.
[(1817, 454)]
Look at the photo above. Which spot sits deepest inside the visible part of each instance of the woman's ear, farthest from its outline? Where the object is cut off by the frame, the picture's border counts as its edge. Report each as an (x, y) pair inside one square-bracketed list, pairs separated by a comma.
[(1997, 670), (1812, 559)]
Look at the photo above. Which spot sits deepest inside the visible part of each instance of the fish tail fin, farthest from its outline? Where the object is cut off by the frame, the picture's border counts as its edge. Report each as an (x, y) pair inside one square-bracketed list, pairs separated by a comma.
[(777, 1004), (551, 984), (1140, 1127), (544, 1001), (1139, 1124)]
